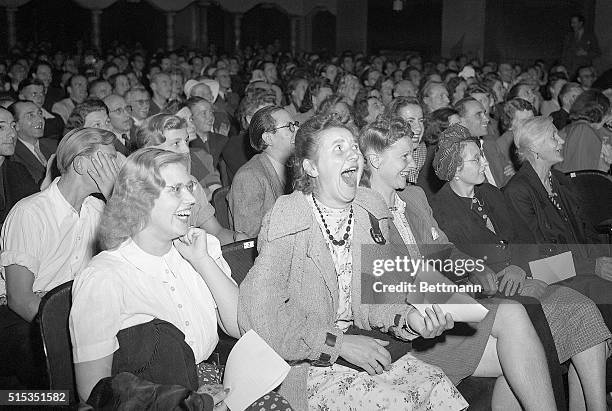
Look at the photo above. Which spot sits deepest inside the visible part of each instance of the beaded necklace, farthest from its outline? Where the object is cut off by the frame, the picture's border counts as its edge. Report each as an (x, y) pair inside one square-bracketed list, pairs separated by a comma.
[(328, 232)]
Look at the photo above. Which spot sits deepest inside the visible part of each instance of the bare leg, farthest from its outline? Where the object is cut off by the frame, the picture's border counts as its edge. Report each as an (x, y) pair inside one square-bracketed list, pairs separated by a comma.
[(590, 369), (525, 370), (503, 397), (576, 396)]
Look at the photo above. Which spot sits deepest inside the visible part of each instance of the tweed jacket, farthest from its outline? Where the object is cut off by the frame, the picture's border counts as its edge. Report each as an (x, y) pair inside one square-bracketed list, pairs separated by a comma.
[(290, 296), (254, 190)]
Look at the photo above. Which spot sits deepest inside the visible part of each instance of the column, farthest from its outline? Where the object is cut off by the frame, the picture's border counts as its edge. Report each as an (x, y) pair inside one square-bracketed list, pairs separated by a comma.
[(463, 27), (203, 40), (170, 30), (237, 28), (295, 24), (11, 16), (95, 28)]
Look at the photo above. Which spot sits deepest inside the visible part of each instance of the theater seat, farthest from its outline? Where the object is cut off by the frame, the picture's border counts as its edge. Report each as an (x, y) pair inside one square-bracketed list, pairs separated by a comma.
[(595, 189), (53, 313), (221, 207), (240, 256)]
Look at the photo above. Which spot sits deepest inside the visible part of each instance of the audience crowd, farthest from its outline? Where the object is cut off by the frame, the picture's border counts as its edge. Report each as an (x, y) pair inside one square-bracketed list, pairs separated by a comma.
[(110, 165)]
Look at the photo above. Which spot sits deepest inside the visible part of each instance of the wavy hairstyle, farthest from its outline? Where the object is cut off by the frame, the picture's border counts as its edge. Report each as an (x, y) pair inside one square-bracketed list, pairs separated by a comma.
[(138, 185), (528, 133), (307, 147), (81, 142), (151, 132), (378, 136), (509, 110), (591, 105)]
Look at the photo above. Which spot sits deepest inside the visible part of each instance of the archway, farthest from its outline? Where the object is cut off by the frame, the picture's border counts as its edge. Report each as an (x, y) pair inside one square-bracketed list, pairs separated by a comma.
[(264, 24), (324, 31)]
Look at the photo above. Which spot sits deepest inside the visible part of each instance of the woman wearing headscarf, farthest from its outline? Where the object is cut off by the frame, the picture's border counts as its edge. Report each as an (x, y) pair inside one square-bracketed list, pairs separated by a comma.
[(477, 220)]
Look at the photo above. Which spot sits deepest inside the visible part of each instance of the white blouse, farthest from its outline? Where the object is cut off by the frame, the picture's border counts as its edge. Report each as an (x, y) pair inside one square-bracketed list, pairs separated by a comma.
[(127, 287)]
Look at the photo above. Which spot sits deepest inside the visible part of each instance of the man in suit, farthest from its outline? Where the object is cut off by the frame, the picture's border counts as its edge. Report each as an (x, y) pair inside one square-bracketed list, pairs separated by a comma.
[(161, 86), (263, 178), (227, 100), (31, 149), (580, 47), (34, 90), (120, 122), (472, 116), (568, 94), (41, 70)]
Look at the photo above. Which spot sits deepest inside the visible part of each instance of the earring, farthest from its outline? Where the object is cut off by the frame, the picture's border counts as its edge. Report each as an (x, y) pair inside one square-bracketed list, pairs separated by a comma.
[(456, 178)]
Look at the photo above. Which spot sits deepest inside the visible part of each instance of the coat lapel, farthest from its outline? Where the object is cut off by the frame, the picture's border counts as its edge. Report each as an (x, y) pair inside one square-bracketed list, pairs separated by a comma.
[(275, 183)]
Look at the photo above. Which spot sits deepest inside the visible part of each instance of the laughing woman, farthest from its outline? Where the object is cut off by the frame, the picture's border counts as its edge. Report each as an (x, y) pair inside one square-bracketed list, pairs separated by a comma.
[(154, 267), (477, 219), (304, 292), (496, 348)]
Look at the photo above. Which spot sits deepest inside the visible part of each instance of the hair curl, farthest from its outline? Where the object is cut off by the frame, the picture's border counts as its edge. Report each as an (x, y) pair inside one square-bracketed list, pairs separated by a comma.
[(138, 185)]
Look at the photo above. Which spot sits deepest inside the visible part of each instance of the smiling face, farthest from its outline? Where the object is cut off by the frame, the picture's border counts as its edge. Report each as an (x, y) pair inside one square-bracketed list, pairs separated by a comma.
[(337, 167), (475, 119), (438, 98), (122, 85), (33, 93), (118, 113), (203, 117), (30, 124), (413, 114), (472, 170), (8, 135), (394, 164), (171, 211), (549, 147), (281, 141)]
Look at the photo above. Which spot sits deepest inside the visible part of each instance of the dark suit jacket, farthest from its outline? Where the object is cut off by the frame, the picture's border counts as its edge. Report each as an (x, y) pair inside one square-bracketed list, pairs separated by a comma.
[(122, 148), (54, 127), (237, 152), (560, 118), (571, 45), (15, 183), (24, 156), (541, 223), (214, 145), (497, 160), (428, 180)]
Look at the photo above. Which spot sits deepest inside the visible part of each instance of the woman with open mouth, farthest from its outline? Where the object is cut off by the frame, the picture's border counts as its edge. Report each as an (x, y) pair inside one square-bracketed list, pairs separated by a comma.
[(303, 295), (387, 146)]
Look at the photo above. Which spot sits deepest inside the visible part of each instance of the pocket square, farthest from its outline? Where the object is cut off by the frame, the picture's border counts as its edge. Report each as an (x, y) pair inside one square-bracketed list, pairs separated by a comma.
[(434, 233)]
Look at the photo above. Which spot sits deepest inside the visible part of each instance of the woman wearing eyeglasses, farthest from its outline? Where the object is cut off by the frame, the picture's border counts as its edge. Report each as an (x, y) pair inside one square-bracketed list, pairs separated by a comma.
[(264, 177), (476, 218), (169, 132), (156, 274)]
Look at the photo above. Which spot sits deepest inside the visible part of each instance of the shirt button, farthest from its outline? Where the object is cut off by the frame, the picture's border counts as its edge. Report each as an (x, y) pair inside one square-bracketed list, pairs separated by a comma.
[(172, 288), (186, 322), (180, 306)]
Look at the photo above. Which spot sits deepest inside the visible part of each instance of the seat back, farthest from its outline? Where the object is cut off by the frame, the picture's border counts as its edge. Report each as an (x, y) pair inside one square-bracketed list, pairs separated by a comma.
[(240, 256), (53, 313), (219, 202), (595, 188)]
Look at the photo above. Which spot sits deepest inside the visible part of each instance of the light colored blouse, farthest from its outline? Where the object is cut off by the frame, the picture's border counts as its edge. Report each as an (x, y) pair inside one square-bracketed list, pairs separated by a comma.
[(125, 287)]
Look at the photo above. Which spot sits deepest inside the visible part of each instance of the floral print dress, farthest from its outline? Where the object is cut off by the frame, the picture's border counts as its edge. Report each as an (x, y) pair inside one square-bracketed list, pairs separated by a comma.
[(410, 384)]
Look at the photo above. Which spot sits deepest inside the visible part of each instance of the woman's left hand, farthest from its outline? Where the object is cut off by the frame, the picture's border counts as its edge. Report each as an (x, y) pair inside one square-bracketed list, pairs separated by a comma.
[(512, 280), (192, 246), (432, 324)]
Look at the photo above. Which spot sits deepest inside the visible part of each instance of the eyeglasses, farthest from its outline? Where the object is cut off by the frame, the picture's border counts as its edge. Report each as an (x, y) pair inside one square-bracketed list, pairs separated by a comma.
[(121, 110), (178, 189), (291, 126)]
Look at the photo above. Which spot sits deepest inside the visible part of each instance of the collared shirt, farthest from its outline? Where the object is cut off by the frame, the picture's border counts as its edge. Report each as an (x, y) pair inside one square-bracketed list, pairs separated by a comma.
[(403, 226), (127, 286), (46, 235), (487, 171)]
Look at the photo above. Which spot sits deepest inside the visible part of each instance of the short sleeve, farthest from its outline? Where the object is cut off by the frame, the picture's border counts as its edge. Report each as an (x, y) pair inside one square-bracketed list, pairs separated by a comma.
[(23, 239), (95, 317)]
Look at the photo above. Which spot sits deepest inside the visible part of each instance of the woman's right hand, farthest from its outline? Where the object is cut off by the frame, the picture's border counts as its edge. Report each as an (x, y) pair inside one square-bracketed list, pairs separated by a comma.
[(366, 352)]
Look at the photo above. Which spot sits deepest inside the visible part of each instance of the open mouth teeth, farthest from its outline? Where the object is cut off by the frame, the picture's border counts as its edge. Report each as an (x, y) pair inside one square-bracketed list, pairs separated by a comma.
[(349, 176), (184, 214), (404, 173)]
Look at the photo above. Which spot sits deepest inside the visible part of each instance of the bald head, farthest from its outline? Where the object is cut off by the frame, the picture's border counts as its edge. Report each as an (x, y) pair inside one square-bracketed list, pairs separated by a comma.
[(404, 88)]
